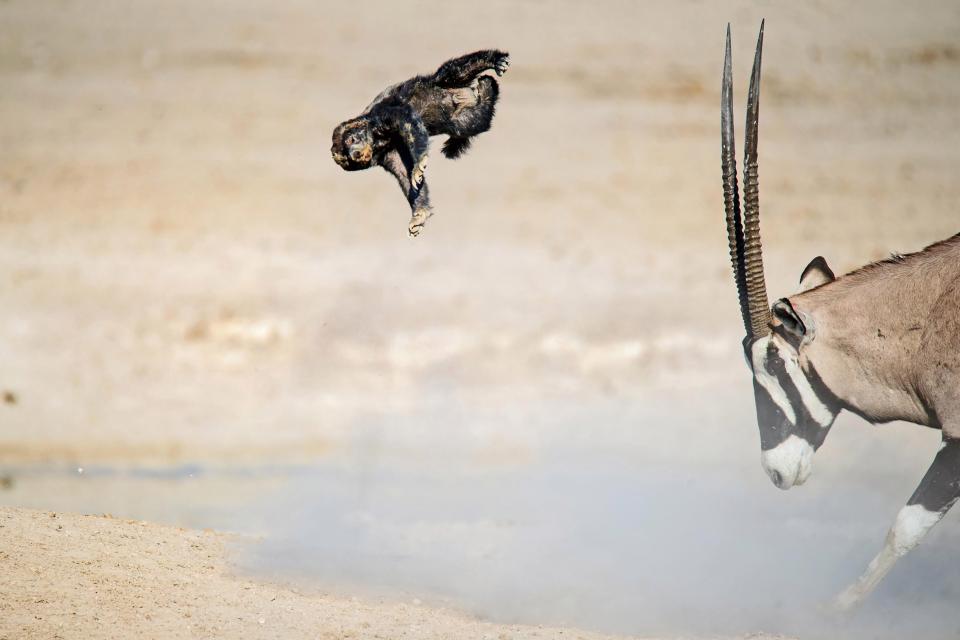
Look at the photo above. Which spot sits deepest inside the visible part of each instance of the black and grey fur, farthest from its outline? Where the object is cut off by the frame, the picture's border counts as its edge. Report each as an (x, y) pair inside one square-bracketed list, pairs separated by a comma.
[(394, 131)]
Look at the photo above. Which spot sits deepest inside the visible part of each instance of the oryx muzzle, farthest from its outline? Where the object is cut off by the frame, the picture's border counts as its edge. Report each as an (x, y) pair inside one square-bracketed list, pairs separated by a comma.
[(882, 341)]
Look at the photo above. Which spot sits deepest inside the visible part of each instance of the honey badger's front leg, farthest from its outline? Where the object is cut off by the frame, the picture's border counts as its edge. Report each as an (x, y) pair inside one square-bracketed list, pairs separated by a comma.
[(401, 124), (418, 198), (407, 159), (461, 71), (416, 142)]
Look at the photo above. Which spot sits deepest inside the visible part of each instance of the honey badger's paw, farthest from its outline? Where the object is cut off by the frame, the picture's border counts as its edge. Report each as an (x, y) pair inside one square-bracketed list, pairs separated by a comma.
[(417, 220), (501, 63)]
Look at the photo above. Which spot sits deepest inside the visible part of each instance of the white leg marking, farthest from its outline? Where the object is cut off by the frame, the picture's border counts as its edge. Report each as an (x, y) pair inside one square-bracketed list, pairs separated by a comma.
[(759, 353), (912, 524), (792, 459)]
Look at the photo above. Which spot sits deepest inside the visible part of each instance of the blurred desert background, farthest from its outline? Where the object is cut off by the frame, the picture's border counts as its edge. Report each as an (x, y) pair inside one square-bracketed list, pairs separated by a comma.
[(535, 413)]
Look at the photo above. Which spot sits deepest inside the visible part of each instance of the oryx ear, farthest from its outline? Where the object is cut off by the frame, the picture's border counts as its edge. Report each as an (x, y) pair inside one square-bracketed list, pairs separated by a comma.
[(818, 272), (789, 318)]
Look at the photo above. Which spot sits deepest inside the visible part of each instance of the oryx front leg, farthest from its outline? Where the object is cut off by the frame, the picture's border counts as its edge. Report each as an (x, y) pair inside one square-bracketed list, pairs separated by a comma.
[(937, 492)]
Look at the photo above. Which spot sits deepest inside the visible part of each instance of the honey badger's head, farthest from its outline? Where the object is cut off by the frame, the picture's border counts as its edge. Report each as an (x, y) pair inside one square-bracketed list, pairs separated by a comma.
[(353, 143)]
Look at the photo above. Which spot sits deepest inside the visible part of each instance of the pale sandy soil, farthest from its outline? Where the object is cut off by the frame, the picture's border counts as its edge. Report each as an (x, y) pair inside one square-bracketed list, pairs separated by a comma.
[(186, 276), (70, 576)]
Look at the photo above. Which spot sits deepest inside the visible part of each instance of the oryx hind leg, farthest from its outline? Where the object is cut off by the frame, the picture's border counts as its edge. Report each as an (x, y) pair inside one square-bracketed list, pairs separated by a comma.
[(937, 492)]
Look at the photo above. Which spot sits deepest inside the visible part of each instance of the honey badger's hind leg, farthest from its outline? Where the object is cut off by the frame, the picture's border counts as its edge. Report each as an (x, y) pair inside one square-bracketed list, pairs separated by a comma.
[(471, 120), (461, 71)]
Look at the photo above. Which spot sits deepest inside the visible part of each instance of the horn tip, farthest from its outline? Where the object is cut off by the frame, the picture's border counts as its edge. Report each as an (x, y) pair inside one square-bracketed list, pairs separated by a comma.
[(756, 57)]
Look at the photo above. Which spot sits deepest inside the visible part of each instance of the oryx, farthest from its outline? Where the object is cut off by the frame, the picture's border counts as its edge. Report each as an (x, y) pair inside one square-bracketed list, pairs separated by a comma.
[(882, 342)]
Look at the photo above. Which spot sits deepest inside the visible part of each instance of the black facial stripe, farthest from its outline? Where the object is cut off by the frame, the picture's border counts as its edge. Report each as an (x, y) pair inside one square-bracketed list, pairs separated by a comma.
[(822, 391), (770, 419), (800, 411), (806, 427), (777, 367), (774, 426)]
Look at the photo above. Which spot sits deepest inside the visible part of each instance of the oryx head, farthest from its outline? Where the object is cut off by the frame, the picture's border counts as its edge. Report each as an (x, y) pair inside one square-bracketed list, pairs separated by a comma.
[(794, 411)]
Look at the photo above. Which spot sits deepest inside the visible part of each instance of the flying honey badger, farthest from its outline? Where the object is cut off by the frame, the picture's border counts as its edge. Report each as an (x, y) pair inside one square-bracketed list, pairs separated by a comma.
[(394, 131)]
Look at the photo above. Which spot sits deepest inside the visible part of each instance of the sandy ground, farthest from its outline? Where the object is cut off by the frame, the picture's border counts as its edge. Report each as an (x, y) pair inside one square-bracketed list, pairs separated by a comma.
[(186, 276), (70, 576)]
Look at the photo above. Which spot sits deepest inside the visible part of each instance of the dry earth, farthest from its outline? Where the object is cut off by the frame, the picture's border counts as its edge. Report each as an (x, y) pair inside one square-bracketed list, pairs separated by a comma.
[(93, 577), (186, 276)]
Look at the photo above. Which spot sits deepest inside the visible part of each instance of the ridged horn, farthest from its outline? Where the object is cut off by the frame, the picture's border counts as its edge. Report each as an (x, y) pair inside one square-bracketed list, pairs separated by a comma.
[(731, 192), (746, 252), (752, 249)]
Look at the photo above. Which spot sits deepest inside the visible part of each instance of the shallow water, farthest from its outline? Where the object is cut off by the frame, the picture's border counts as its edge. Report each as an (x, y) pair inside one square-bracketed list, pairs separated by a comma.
[(580, 517)]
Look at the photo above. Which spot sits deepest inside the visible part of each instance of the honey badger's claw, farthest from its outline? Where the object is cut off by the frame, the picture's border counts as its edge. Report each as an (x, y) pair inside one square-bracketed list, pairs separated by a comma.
[(417, 221), (501, 65), (416, 176)]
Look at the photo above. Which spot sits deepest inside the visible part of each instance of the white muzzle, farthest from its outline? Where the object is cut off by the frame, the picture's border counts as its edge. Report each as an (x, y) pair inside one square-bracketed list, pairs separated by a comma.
[(788, 463)]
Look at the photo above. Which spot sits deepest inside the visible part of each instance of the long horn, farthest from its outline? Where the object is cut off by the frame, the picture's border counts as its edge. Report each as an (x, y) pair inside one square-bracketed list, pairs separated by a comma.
[(731, 193), (753, 252)]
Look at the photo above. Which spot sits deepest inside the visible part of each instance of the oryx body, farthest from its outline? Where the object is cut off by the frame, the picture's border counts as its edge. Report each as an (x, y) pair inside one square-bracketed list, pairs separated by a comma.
[(882, 342)]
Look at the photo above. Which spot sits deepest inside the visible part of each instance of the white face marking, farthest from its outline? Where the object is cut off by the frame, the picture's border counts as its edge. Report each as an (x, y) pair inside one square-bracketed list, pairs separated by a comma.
[(811, 401), (769, 382), (791, 460), (815, 407)]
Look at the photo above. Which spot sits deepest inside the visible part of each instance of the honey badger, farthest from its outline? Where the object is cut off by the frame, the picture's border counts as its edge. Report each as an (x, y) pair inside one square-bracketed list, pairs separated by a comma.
[(394, 131)]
